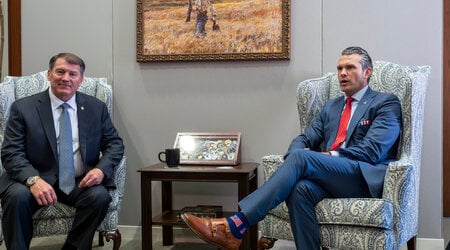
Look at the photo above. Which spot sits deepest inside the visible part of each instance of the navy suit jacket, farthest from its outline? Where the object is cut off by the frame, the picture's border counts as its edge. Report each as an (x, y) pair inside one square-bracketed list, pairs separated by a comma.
[(30, 145), (372, 136)]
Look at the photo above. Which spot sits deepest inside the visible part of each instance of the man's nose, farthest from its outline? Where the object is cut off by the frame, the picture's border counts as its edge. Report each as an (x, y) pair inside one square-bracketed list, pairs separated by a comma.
[(66, 77)]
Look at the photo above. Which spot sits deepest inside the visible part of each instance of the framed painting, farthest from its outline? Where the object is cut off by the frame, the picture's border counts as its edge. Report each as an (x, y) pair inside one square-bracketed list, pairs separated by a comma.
[(209, 148), (212, 30)]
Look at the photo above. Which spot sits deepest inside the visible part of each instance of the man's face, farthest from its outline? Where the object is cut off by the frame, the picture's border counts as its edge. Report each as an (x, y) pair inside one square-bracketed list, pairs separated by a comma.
[(352, 77), (65, 79)]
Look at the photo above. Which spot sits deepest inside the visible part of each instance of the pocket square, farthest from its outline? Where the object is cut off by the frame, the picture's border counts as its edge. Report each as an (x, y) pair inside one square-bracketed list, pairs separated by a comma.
[(364, 122)]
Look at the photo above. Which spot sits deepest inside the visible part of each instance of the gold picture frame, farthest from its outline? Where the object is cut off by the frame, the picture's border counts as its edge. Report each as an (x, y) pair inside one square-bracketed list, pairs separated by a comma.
[(173, 30), (209, 148)]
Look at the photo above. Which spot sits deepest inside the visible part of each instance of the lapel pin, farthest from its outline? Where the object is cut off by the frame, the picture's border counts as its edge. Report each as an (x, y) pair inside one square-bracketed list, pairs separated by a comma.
[(82, 108)]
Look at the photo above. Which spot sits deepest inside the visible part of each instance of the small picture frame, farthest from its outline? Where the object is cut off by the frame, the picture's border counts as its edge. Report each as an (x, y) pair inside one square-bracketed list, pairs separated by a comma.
[(209, 148)]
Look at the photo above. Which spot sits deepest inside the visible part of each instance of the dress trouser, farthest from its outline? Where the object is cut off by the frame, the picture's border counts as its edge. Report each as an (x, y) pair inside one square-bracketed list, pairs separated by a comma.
[(305, 178), (19, 205)]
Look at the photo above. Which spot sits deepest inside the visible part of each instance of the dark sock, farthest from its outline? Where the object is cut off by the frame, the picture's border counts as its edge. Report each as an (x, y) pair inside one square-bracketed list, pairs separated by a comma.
[(238, 224)]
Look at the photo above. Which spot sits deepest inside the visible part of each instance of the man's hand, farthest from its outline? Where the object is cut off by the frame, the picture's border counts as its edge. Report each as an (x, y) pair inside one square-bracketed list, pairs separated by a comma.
[(92, 178), (43, 193)]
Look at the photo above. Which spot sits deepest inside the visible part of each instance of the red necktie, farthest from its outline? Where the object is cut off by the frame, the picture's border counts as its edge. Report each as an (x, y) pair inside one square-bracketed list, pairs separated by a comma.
[(343, 124)]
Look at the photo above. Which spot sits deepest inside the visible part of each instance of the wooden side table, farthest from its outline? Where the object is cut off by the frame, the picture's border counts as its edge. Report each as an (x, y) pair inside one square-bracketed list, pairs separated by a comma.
[(245, 174)]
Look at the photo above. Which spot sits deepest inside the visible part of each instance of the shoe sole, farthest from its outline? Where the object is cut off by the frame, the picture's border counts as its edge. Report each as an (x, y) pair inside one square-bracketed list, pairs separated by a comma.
[(201, 235)]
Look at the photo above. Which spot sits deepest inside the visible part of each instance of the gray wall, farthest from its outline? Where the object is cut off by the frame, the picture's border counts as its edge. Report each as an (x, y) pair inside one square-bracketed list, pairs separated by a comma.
[(154, 101)]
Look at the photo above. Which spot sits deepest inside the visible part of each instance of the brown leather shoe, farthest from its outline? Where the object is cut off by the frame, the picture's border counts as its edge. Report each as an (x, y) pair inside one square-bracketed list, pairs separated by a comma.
[(214, 231)]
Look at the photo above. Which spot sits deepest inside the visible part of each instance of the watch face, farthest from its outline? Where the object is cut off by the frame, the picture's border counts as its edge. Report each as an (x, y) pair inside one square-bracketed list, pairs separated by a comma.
[(31, 181)]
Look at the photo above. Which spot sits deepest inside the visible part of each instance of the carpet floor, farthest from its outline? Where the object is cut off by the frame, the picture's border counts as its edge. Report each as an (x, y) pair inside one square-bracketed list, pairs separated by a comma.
[(131, 239)]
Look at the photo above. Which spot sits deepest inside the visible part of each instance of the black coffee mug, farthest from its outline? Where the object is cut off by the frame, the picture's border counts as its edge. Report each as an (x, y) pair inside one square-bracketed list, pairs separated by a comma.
[(172, 157)]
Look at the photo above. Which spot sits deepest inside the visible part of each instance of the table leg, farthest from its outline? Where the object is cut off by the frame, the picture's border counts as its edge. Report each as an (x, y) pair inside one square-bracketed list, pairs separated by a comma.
[(146, 210), (253, 229), (166, 205), (243, 190)]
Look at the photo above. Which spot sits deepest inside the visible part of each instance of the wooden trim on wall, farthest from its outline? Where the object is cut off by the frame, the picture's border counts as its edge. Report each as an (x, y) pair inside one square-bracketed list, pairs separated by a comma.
[(14, 37), (446, 109)]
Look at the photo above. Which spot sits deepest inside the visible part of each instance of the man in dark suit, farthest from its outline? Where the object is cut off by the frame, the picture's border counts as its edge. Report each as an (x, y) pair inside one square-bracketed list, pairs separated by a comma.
[(361, 133), (31, 153)]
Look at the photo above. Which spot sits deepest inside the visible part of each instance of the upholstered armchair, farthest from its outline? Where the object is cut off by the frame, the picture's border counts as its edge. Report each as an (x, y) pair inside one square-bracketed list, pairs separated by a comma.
[(57, 219), (385, 223)]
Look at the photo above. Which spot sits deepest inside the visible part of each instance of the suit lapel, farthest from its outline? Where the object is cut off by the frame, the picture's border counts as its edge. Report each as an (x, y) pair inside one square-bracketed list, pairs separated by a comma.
[(335, 117), (83, 125), (44, 109), (363, 105)]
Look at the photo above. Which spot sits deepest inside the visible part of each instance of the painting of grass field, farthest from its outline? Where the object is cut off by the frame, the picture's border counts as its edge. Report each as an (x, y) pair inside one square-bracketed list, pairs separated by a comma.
[(246, 26)]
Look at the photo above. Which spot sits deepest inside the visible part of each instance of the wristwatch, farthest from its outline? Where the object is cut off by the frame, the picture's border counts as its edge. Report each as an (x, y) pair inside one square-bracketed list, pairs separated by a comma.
[(31, 180)]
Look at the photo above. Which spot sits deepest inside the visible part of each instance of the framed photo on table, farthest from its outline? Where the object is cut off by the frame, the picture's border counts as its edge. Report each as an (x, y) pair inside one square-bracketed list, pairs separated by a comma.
[(215, 30), (209, 148)]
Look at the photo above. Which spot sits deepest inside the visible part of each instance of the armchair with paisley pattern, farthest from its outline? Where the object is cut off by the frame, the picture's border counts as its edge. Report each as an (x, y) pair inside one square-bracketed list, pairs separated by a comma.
[(57, 219), (385, 223)]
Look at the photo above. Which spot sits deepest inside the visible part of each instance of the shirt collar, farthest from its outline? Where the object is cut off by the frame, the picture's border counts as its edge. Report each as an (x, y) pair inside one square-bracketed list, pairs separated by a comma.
[(56, 102), (358, 95)]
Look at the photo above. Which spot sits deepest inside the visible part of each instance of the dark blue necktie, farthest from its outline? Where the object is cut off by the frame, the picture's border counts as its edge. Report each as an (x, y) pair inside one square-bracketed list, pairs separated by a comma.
[(66, 164)]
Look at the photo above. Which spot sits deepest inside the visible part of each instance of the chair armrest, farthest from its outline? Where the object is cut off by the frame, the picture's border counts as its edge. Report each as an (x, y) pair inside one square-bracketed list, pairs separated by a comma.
[(119, 174), (112, 216), (399, 182), (400, 187), (270, 164)]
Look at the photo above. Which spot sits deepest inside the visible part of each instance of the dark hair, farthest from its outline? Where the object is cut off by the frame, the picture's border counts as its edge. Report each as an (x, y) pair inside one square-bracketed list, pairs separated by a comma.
[(365, 61), (70, 58)]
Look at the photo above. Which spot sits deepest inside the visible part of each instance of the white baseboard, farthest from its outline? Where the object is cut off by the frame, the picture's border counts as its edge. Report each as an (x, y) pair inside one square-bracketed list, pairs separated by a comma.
[(422, 243), (430, 244)]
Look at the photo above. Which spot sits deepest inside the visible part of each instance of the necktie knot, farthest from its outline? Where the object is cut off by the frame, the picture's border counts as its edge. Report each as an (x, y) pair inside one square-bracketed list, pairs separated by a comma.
[(64, 106), (349, 100)]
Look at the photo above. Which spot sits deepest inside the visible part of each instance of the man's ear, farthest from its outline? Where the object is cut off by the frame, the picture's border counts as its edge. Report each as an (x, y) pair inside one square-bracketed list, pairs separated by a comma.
[(368, 72)]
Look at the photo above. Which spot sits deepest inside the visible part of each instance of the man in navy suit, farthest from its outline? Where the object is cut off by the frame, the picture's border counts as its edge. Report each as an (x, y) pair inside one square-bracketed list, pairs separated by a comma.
[(361, 137), (30, 153)]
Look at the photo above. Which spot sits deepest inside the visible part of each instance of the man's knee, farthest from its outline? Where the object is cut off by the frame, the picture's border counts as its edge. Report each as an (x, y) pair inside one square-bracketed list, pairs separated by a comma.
[(298, 154), (304, 187), (99, 196), (307, 191), (16, 195)]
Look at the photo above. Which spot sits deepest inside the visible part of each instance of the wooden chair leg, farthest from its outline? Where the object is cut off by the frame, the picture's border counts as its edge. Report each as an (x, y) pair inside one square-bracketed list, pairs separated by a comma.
[(412, 243), (266, 242), (115, 236), (101, 242)]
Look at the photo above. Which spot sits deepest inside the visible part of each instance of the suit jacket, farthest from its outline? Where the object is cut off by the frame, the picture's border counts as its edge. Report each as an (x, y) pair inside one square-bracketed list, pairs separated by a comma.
[(30, 145), (372, 136)]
